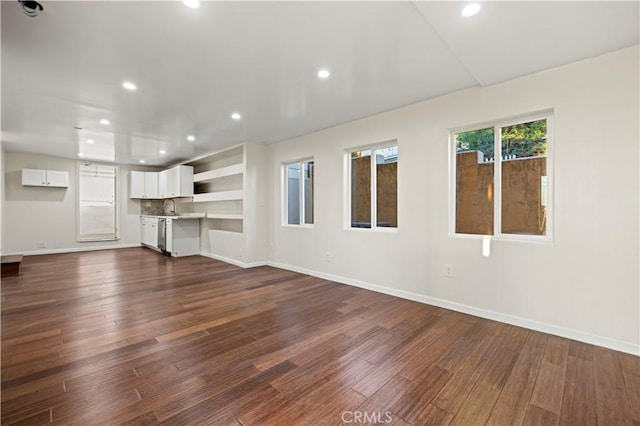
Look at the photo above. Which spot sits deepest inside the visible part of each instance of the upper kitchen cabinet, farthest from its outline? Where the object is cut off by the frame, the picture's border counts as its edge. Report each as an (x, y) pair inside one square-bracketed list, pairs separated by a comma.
[(143, 185), (176, 182), (51, 178)]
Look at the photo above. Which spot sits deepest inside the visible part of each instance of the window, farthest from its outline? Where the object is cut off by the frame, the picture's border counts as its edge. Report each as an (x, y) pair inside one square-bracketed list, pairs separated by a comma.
[(299, 193), (373, 187), (97, 211), (501, 179)]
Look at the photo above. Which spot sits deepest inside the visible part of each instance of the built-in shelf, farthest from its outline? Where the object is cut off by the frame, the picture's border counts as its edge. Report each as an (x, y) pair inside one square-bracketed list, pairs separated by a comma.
[(234, 226), (218, 196), (235, 169), (238, 216)]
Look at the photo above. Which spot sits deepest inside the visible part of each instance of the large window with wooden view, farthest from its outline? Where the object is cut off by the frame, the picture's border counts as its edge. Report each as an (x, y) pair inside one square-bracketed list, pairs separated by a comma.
[(501, 182), (373, 187)]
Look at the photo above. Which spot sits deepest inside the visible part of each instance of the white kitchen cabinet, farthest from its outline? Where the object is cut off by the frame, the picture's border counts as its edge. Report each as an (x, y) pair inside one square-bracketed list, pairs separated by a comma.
[(182, 237), (176, 182), (149, 231), (143, 185), (51, 178)]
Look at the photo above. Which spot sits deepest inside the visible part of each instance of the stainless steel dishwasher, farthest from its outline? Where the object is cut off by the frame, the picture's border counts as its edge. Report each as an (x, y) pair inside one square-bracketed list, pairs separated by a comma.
[(162, 234)]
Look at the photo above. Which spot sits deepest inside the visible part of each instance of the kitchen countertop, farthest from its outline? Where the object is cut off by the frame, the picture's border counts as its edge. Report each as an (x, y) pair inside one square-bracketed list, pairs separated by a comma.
[(177, 216)]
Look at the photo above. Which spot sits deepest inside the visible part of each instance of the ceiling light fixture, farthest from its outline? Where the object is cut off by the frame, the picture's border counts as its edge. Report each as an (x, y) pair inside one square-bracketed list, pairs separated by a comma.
[(162, 151), (80, 154), (193, 4), (191, 138), (324, 73), (236, 116), (129, 85), (141, 161), (104, 122), (470, 9), (31, 8), (90, 141)]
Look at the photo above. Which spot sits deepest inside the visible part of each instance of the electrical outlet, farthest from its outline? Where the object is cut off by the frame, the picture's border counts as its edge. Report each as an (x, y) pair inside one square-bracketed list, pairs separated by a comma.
[(41, 244), (327, 257), (448, 270)]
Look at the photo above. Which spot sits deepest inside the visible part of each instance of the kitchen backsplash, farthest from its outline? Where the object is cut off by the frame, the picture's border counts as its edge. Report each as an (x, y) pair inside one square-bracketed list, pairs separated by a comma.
[(152, 207)]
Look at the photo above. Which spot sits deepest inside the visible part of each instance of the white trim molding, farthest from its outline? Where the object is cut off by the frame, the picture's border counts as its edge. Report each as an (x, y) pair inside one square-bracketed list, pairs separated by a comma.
[(233, 261), (542, 327), (76, 249)]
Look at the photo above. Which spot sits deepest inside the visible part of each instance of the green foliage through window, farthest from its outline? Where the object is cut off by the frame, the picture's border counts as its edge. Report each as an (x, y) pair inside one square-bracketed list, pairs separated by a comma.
[(519, 140)]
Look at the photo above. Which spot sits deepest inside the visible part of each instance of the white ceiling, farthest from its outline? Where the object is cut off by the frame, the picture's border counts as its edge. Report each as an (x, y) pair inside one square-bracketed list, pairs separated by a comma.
[(194, 67)]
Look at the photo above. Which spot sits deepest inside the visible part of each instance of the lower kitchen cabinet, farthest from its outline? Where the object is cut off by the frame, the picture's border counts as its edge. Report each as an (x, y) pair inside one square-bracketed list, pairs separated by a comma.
[(149, 231), (182, 237)]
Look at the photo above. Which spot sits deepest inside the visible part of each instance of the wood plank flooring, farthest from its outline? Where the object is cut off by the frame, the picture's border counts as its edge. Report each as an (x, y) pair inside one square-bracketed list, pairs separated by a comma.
[(132, 337)]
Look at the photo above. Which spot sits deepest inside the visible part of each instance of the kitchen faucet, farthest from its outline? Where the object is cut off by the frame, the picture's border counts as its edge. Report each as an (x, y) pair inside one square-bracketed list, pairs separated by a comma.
[(174, 206)]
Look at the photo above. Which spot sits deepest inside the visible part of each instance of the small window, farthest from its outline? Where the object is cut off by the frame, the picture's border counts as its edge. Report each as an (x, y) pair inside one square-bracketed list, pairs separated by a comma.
[(374, 187), (97, 202), (299, 193), (502, 180)]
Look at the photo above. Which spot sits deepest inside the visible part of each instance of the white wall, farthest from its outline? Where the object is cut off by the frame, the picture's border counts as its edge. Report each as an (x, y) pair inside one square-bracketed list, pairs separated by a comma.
[(585, 285), (35, 214), (2, 166)]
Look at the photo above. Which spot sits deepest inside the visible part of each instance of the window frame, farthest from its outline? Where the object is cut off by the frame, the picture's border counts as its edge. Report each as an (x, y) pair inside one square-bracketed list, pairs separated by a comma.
[(117, 194), (302, 194), (374, 193), (497, 125)]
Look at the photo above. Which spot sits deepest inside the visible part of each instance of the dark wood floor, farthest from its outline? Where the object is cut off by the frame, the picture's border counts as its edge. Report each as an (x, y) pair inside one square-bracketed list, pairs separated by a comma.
[(130, 336)]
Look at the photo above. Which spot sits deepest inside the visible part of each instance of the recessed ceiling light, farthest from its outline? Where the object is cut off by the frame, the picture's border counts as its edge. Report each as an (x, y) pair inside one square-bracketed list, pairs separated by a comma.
[(104, 122), (80, 154), (193, 4), (236, 116), (191, 138), (162, 151), (90, 141), (471, 9), (129, 85), (141, 161), (324, 73)]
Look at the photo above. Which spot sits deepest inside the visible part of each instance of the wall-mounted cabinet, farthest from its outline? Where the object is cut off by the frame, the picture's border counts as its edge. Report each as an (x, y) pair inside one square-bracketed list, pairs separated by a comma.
[(176, 182), (143, 185), (50, 178)]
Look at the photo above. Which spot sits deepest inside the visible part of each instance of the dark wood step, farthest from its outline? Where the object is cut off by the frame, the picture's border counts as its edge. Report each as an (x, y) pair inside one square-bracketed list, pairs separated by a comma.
[(11, 264)]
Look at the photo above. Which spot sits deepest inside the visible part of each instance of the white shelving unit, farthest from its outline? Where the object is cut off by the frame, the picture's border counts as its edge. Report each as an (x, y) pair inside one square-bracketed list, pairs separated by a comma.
[(210, 175), (230, 189), (206, 197), (218, 181)]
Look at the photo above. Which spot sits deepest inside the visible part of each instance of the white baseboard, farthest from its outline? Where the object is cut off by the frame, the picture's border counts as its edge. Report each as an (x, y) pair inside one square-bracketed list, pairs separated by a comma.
[(233, 261), (568, 333), (75, 249)]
